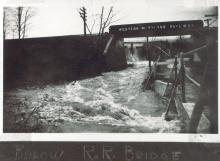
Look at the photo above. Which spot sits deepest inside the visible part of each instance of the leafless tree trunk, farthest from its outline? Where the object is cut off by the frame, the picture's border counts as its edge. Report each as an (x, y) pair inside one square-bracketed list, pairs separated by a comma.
[(101, 20), (6, 23), (19, 23), (107, 21), (22, 17), (90, 29), (27, 16), (104, 21)]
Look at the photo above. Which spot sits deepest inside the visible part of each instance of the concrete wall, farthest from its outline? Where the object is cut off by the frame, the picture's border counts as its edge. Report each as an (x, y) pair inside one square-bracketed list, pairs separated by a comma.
[(162, 88), (116, 57), (54, 59)]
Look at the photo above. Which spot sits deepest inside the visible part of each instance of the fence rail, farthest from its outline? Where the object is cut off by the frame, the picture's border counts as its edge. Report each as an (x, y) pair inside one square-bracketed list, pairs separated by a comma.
[(164, 52), (194, 50), (180, 80), (192, 80)]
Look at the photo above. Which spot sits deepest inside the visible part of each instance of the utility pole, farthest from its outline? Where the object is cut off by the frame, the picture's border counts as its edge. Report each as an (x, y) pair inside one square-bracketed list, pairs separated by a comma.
[(82, 12), (182, 69), (209, 18)]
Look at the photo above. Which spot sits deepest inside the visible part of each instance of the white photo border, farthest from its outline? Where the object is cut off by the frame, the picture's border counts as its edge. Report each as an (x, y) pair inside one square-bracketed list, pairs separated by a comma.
[(115, 137)]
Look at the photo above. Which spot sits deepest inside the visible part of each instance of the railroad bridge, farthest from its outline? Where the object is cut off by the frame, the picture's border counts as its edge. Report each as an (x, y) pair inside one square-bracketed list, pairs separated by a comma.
[(156, 29), (174, 28)]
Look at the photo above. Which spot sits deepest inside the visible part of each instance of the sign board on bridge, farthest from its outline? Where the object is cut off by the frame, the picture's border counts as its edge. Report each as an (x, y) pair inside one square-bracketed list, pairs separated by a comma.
[(156, 29)]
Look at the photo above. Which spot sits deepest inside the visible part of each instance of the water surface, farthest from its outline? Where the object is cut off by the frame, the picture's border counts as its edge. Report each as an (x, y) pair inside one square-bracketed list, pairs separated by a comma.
[(113, 102)]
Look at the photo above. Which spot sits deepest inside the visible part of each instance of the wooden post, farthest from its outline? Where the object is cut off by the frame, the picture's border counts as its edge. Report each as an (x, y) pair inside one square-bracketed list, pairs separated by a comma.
[(208, 95), (171, 55), (175, 68), (132, 49), (171, 104), (182, 70), (149, 55)]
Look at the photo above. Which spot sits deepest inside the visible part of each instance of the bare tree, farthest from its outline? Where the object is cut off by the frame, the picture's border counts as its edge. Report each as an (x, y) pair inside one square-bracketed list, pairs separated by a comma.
[(18, 21), (90, 29), (105, 20), (100, 22), (6, 23), (22, 19), (27, 16)]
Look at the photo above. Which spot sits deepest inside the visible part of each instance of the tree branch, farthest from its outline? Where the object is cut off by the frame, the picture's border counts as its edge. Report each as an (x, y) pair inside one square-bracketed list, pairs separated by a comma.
[(101, 19)]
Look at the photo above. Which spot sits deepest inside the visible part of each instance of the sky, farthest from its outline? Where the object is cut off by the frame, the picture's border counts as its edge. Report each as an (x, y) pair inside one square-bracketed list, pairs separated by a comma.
[(56, 17)]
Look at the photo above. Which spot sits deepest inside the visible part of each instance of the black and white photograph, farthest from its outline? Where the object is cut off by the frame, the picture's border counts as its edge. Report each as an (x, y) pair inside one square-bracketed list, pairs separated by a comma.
[(111, 66)]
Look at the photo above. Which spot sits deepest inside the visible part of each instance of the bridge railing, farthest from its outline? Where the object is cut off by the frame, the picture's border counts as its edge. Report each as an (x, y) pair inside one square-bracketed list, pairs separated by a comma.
[(147, 84), (162, 51), (150, 75), (179, 77)]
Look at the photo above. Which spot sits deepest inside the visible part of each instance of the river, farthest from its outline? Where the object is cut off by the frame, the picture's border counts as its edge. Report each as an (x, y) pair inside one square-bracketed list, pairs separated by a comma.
[(112, 102)]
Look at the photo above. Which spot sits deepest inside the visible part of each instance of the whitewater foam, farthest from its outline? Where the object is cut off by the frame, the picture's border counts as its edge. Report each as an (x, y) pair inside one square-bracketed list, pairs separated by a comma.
[(113, 99)]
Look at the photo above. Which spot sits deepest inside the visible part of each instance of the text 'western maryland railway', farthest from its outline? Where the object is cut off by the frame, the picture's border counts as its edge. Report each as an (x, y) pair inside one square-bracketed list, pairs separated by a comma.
[(156, 29)]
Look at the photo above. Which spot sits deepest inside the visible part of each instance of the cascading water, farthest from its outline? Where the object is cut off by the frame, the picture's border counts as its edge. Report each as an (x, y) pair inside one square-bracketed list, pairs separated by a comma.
[(113, 102), (132, 57)]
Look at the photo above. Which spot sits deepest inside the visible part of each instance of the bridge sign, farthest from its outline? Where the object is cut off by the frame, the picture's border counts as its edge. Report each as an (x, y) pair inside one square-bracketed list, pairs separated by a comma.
[(156, 29)]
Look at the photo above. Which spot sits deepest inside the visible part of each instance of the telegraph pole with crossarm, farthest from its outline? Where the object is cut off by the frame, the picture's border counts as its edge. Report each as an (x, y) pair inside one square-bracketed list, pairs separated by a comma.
[(215, 16), (82, 12)]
